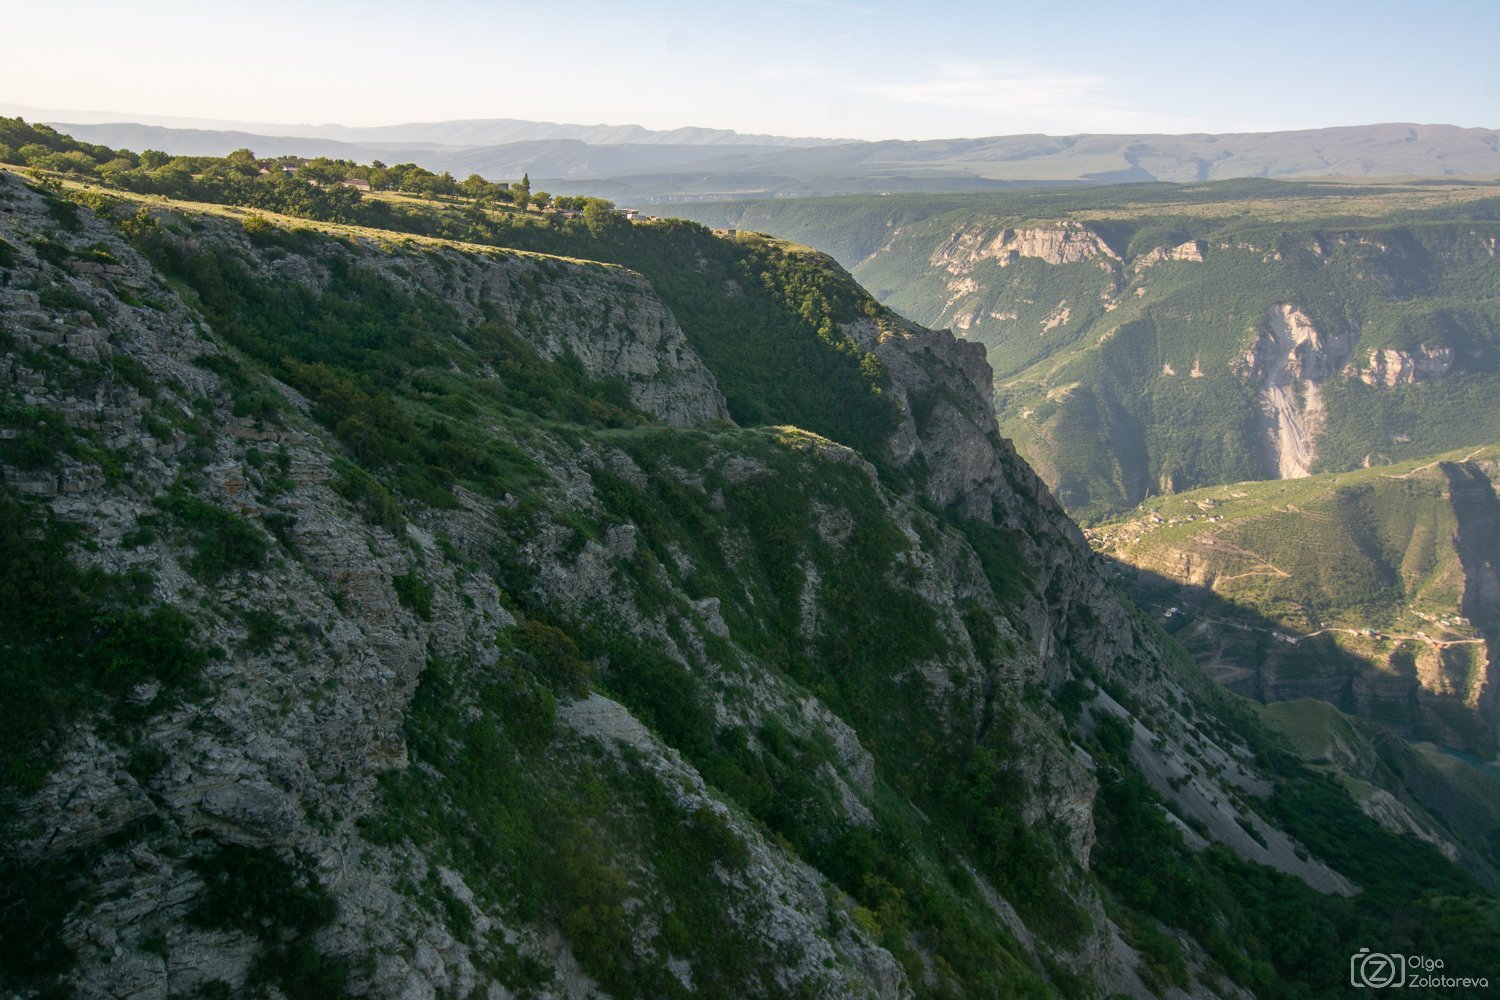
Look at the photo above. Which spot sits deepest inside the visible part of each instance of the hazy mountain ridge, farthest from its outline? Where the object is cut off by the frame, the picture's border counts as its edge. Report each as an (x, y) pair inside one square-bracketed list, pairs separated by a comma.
[(550, 157), (682, 163), (500, 131), (458, 132)]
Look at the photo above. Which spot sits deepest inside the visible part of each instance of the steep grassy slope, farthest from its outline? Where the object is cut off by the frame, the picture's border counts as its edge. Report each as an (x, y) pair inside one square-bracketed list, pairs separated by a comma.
[(1154, 338), (1438, 796), (395, 616), (1367, 589)]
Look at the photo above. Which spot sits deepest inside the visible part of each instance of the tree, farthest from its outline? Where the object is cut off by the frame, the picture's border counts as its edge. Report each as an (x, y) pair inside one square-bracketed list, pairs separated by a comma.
[(242, 163), (599, 215), (476, 187), (324, 171)]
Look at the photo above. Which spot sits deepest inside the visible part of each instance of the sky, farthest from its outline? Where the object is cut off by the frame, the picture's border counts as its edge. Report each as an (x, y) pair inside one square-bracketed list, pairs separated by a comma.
[(862, 69)]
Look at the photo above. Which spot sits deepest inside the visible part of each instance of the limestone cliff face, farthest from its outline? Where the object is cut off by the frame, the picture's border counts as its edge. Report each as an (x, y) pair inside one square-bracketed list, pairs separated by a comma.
[(1391, 367), (607, 318), (1072, 617), (295, 733), (976, 472), (1066, 244), (1290, 358), (1190, 251), (603, 317)]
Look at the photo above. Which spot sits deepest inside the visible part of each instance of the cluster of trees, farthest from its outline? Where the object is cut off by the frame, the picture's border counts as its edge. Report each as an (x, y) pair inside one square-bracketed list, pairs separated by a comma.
[(234, 178), (412, 179)]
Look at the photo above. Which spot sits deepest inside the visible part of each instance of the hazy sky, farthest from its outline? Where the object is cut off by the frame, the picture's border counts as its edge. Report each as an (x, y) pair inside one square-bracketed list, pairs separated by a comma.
[(860, 69)]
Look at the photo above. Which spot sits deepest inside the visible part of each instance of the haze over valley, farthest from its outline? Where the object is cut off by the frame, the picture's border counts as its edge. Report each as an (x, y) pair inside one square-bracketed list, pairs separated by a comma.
[(642, 167)]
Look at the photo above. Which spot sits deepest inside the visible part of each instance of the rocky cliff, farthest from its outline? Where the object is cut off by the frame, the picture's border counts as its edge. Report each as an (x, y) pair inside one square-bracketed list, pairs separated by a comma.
[(1391, 367), (1290, 359), (396, 617), (1064, 244)]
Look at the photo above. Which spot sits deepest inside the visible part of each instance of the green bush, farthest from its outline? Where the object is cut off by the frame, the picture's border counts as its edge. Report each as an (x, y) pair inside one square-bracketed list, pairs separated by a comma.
[(223, 542), (374, 502), (415, 593), (554, 656), (255, 891)]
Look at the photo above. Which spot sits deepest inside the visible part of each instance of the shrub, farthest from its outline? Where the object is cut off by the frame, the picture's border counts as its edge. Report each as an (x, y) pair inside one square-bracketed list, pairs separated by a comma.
[(415, 593), (223, 542), (554, 656)]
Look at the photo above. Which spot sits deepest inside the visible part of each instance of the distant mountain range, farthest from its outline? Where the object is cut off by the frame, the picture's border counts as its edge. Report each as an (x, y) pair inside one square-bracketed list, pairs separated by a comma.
[(633, 164)]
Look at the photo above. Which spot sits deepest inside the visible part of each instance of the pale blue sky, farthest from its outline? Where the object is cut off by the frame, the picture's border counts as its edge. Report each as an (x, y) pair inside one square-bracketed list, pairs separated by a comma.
[(845, 68)]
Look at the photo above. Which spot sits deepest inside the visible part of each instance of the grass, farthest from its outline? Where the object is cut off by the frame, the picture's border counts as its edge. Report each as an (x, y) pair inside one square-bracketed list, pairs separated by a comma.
[(1314, 728)]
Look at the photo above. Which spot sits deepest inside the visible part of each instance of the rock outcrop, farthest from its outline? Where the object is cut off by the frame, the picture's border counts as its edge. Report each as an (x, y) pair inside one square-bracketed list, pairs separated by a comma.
[(1190, 251), (1066, 244), (1289, 359), (1392, 367)]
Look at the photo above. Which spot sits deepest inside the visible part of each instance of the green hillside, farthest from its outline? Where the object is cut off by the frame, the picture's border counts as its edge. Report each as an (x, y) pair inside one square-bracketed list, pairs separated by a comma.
[(1121, 321), (1438, 795), (1370, 589)]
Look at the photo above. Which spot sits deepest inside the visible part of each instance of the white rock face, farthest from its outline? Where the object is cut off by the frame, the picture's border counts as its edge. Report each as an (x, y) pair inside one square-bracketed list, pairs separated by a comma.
[(1066, 244), (1290, 358), (1385, 809), (1058, 317), (1210, 798), (1191, 251), (617, 328), (1390, 367), (608, 318)]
